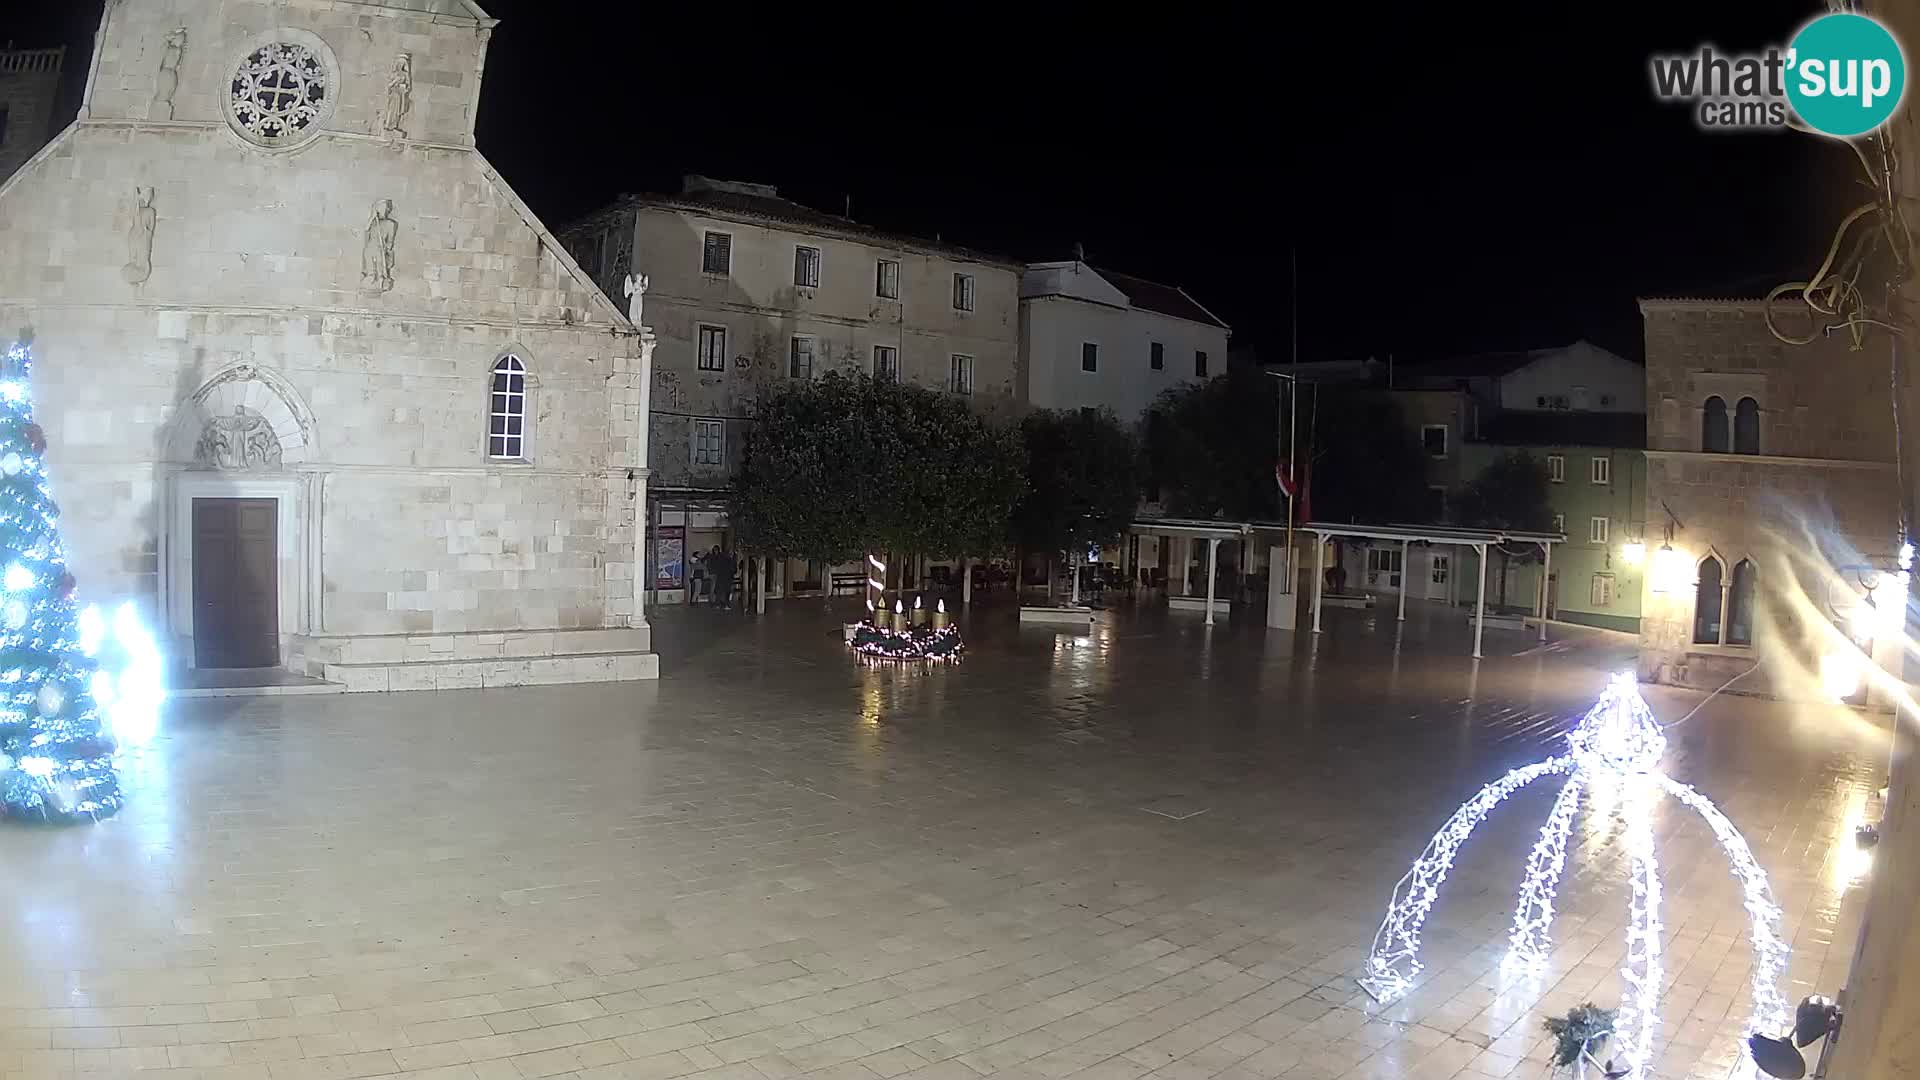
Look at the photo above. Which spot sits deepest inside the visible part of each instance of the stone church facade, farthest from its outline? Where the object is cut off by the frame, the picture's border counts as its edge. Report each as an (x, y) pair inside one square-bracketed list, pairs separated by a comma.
[(318, 388)]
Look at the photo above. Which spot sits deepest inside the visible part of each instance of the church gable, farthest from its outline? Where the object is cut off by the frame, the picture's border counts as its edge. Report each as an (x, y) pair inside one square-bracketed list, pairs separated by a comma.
[(406, 70), (371, 198)]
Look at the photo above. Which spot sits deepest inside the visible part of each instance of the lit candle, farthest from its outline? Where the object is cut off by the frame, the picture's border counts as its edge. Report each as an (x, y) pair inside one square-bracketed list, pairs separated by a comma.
[(940, 615), (919, 612)]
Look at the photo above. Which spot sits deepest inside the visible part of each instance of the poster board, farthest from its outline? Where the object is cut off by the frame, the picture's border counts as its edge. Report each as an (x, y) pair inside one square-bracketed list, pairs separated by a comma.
[(669, 556)]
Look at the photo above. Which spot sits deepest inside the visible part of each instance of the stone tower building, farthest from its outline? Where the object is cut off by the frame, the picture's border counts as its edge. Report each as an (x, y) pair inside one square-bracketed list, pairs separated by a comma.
[(317, 386), (29, 82)]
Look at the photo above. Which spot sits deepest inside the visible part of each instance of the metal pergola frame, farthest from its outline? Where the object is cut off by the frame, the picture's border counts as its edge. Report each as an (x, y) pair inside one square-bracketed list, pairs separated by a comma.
[(1194, 529), (1477, 539)]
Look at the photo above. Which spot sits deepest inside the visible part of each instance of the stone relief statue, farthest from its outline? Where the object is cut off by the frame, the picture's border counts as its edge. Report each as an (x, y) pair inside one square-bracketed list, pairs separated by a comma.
[(167, 80), (666, 390), (635, 289), (242, 441), (393, 117), (376, 252), (140, 238)]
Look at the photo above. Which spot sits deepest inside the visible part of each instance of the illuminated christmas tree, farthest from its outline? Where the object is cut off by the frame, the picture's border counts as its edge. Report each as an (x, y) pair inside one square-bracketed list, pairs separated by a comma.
[(56, 747)]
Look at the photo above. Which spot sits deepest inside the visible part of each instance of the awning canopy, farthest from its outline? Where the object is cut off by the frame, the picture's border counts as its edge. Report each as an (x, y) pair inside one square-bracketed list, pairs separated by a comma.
[(1434, 534), (1477, 539), (1194, 527)]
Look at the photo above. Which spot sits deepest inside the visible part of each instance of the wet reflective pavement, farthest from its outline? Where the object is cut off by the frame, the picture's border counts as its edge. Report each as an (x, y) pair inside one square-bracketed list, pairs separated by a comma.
[(1153, 850)]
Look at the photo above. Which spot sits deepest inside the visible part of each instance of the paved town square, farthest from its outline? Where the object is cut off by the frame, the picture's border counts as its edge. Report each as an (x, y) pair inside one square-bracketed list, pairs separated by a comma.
[(1159, 850)]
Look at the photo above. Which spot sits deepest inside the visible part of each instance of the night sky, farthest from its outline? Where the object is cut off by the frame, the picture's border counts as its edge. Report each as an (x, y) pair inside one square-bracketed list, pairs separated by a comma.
[(1486, 177)]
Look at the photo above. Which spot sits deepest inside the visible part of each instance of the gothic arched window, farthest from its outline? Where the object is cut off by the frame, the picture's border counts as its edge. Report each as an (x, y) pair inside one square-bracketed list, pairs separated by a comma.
[(1706, 603), (1740, 604)]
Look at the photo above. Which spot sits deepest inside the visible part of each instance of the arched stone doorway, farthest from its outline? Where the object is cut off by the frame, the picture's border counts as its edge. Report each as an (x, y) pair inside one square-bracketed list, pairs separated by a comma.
[(241, 554)]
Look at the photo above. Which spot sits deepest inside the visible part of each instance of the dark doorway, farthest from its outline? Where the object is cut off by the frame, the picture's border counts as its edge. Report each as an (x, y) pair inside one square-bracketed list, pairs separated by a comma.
[(236, 593)]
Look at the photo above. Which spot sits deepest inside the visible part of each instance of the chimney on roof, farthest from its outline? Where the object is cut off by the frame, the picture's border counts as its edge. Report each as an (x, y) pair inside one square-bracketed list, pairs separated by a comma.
[(694, 184)]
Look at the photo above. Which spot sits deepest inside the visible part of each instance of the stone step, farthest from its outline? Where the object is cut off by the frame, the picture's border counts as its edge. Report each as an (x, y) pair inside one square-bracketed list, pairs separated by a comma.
[(312, 654), (474, 674)]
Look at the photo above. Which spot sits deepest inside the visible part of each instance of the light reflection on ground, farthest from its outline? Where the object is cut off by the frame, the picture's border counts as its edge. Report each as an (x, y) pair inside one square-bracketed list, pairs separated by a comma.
[(1157, 848)]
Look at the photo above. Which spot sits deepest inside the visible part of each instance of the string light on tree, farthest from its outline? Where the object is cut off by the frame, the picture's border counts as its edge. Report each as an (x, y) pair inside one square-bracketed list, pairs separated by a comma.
[(57, 735), (1616, 747)]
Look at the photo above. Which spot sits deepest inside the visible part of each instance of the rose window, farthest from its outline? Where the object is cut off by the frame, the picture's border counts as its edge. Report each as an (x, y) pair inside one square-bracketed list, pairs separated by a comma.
[(279, 93)]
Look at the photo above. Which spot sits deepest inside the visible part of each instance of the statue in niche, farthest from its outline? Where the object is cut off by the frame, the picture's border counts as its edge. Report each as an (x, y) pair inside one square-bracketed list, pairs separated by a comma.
[(167, 81), (376, 252), (242, 441), (139, 265), (393, 117)]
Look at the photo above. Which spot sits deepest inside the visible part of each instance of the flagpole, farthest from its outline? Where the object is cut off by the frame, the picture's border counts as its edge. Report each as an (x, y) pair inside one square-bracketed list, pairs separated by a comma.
[(1293, 400)]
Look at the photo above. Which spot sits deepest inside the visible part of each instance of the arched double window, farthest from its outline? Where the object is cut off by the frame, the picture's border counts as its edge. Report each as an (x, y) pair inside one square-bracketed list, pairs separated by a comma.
[(1723, 604), (1706, 601), (1746, 427), (1713, 426), (507, 410)]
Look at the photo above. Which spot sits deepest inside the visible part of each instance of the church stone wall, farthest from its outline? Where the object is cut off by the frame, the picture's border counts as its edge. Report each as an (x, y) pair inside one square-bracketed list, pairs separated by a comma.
[(262, 258)]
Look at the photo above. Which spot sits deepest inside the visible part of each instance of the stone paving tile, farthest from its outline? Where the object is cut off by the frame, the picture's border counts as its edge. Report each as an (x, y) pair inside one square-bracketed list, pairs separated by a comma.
[(776, 863)]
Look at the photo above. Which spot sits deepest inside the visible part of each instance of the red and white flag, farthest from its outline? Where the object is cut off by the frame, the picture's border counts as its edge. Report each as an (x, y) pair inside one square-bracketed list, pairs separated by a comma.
[(1293, 483)]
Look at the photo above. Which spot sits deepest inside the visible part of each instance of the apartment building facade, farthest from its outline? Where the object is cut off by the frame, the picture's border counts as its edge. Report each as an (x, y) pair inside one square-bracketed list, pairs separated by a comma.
[(745, 287), (1093, 338)]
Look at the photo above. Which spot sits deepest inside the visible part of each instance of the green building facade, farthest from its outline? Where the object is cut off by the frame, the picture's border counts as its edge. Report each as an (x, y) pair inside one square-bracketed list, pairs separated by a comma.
[(1598, 492)]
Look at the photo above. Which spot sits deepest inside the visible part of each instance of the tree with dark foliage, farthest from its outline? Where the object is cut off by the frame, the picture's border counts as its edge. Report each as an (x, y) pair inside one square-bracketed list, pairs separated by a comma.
[(1510, 493), (1083, 483), (846, 464)]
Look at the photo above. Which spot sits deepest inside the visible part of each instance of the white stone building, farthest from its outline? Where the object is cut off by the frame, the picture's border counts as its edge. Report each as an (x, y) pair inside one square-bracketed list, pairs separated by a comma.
[(1093, 338), (745, 286), (273, 288)]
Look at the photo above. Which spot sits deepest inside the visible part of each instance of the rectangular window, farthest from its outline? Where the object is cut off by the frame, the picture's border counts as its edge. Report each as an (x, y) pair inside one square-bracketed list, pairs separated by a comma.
[(1560, 524), (806, 267), (1157, 356), (886, 363), (1434, 438), (1200, 363), (963, 292), (886, 279), (713, 348), (1597, 530), (800, 358), (961, 381), (1603, 470), (1601, 592), (1557, 468), (1436, 503), (709, 442), (717, 256), (1089, 356)]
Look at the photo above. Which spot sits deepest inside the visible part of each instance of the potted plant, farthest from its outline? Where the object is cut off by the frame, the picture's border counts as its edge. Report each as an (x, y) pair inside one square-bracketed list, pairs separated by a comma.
[(1580, 1038)]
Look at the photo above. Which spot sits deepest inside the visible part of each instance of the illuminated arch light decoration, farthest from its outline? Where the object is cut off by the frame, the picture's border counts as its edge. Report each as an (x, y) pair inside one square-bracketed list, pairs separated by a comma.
[(1616, 746)]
